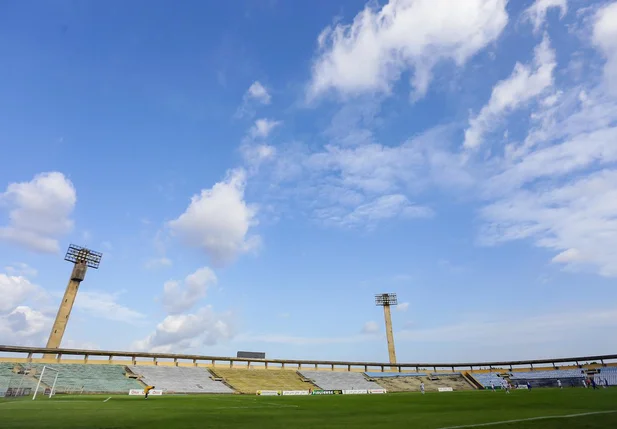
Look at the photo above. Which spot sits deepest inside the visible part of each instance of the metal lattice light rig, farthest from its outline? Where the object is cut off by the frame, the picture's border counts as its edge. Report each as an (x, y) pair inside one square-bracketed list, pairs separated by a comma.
[(386, 300), (82, 258)]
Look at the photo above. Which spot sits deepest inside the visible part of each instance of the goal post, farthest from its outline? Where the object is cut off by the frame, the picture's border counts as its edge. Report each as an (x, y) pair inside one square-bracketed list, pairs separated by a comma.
[(49, 383)]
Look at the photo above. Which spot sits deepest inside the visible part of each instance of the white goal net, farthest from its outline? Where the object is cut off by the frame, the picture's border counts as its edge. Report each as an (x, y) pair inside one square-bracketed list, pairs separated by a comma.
[(47, 381)]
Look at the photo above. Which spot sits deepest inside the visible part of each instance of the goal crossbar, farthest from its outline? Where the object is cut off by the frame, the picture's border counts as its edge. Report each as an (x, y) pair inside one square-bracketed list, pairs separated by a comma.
[(53, 386)]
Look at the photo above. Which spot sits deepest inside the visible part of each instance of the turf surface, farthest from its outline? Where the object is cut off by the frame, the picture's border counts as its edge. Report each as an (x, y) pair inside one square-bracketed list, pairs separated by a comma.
[(431, 411)]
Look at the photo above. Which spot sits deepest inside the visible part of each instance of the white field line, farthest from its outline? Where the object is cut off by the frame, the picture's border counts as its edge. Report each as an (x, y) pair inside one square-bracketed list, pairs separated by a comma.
[(503, 422), (107, 399)]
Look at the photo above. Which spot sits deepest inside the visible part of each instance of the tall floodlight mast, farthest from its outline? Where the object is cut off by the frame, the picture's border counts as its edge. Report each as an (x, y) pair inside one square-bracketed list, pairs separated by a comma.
[(386, 300), (82, 258)]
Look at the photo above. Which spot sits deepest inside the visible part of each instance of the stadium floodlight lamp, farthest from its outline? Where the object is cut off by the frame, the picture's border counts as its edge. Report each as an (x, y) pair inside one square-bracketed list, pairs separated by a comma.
[(81, 255), (384, 299)]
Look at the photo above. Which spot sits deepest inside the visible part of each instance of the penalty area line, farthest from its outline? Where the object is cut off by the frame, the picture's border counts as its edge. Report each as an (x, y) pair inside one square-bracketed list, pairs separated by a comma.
[(107, 399), (503, 422)]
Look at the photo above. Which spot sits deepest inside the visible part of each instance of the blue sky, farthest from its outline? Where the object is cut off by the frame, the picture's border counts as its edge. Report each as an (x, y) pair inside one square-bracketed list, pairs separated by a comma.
[(254, 172)]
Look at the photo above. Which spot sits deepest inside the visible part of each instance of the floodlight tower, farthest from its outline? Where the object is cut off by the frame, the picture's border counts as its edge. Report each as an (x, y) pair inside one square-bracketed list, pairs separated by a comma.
[(385, 300), (82, 258)]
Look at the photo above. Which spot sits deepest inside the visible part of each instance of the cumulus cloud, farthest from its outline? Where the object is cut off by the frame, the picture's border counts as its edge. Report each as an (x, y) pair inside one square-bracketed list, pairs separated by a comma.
[(256, 95), (105, 305), (39, 211), (263, 127), (20, 323), (14, 290), (521, 86), (605, 39), (218, 220), (255, 154), (24, 326), (536, 13), (178, 297), (205, 327), (403, 35), (258, 92)]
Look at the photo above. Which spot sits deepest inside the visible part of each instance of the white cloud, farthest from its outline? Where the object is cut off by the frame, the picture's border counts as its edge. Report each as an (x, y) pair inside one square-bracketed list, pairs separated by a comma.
[(258, 92), (362, 185), (158, 263), (40, 211), (521, 86), (403, 35), (536, 13), (14, 290), (21, 269), (105, 306), (177, 299), (205, 327), (403, 306), (370, 328), (381, 208), (263, 127), (19, 322), (24, 326), (581, 215), (605, 38), (568, 256), (218, 220), (255, 154)]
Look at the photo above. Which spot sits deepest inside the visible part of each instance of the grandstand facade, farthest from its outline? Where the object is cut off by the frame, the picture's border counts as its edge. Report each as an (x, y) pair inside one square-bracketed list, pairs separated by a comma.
[(97, 371)]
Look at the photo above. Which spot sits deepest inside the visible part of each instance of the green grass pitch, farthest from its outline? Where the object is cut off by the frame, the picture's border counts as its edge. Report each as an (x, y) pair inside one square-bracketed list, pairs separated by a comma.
[(409, 410)]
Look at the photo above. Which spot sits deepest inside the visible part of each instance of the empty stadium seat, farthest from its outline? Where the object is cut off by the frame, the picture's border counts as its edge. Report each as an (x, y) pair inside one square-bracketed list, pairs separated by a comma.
[(88, 378), (486, 378), (252, 380), (395, 374), (333, 380), (555, 374), (180, 379)]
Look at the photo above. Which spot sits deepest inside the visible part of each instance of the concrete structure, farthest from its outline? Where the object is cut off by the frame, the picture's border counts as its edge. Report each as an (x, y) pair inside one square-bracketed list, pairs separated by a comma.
[(82, 258), (386, 300), (81, 356)]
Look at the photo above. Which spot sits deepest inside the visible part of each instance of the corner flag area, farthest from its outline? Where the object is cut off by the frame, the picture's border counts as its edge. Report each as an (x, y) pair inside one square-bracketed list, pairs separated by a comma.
[(537, 409)]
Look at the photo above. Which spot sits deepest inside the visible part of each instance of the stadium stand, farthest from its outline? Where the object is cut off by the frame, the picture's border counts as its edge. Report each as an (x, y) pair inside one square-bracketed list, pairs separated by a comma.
[(180, 379), (555, 374), (406, 382), (89, 378), (486, 378), (11, 379), (568, 377), (609, 374), (334, 380), (252, 380), (394, 374)]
